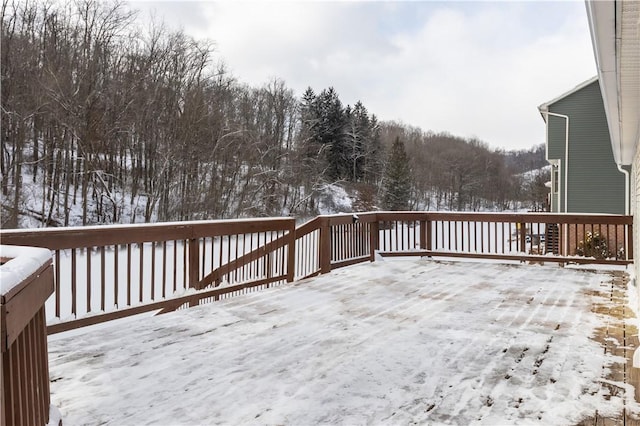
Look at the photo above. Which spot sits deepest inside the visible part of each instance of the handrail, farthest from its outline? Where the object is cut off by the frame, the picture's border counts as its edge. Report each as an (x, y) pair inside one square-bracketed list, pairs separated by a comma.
[(308, 227), (564, 218), (105, 235)]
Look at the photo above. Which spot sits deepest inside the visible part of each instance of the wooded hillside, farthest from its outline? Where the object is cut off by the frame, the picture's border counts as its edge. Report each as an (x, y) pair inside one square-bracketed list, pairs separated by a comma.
[(103, 122)]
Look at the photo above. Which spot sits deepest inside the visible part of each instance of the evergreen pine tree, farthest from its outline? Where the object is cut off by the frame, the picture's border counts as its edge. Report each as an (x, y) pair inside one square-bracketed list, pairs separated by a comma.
[(358, 136), (310, 144), (374, 161), (397, 179), (330, 133)]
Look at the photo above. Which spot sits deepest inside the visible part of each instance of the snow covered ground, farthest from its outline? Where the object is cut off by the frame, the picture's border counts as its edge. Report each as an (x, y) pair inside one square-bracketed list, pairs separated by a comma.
[(392, 342)]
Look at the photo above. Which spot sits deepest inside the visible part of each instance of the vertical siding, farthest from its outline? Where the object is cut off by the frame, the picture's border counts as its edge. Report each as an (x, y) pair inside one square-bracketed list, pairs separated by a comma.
[(556, 135), (595, 184)]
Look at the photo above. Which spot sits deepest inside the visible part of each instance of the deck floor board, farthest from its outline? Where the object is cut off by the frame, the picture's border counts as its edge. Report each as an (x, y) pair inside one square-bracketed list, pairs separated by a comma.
[(391, 342)]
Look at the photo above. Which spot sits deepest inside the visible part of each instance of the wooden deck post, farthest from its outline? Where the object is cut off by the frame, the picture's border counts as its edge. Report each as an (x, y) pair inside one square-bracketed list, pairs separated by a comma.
[(24, 364), (325, 245), (291, 252), (523, 236), (374, 239), (194, 263), (423, 235)]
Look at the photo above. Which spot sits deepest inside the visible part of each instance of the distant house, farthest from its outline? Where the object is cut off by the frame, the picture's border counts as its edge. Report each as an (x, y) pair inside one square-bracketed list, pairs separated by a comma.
[(584, 177)]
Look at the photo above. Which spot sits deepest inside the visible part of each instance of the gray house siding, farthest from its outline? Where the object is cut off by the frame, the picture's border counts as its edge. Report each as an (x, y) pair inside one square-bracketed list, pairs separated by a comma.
[(556, 135), (595, 185)]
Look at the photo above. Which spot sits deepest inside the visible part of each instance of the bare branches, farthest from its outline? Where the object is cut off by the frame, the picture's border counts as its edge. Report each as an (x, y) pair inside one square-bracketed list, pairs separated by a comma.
[(104, 117)]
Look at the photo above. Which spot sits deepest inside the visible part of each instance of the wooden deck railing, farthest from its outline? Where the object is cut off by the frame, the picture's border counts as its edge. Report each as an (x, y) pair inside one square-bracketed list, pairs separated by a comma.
[(329, 242), (24, 369), (109, 272), (510, 236), (104, 273)]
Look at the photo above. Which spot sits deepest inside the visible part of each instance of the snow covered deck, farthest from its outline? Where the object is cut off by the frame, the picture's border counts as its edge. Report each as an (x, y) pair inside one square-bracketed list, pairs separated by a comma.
[(391, 342)]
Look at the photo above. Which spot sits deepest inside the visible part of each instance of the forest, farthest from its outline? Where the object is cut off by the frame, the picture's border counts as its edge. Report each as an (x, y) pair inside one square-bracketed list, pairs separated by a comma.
[(106, 122)]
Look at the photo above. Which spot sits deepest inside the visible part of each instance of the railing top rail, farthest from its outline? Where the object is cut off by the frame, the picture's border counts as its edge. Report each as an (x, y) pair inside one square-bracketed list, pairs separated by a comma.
[(79, 237), (347, 218), (189, 223), (307, 227), (513, 217)]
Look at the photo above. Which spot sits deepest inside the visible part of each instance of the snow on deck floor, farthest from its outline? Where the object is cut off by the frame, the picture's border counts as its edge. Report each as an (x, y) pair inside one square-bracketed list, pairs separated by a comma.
[(391, 342)]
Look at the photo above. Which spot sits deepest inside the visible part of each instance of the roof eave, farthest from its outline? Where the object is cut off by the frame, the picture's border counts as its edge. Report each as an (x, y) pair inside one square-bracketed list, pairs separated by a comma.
[(545, 106), (602, 25)]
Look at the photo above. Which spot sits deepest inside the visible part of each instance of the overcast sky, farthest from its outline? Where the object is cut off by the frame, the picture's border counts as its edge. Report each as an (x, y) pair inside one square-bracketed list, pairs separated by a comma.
[(474, 69)]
